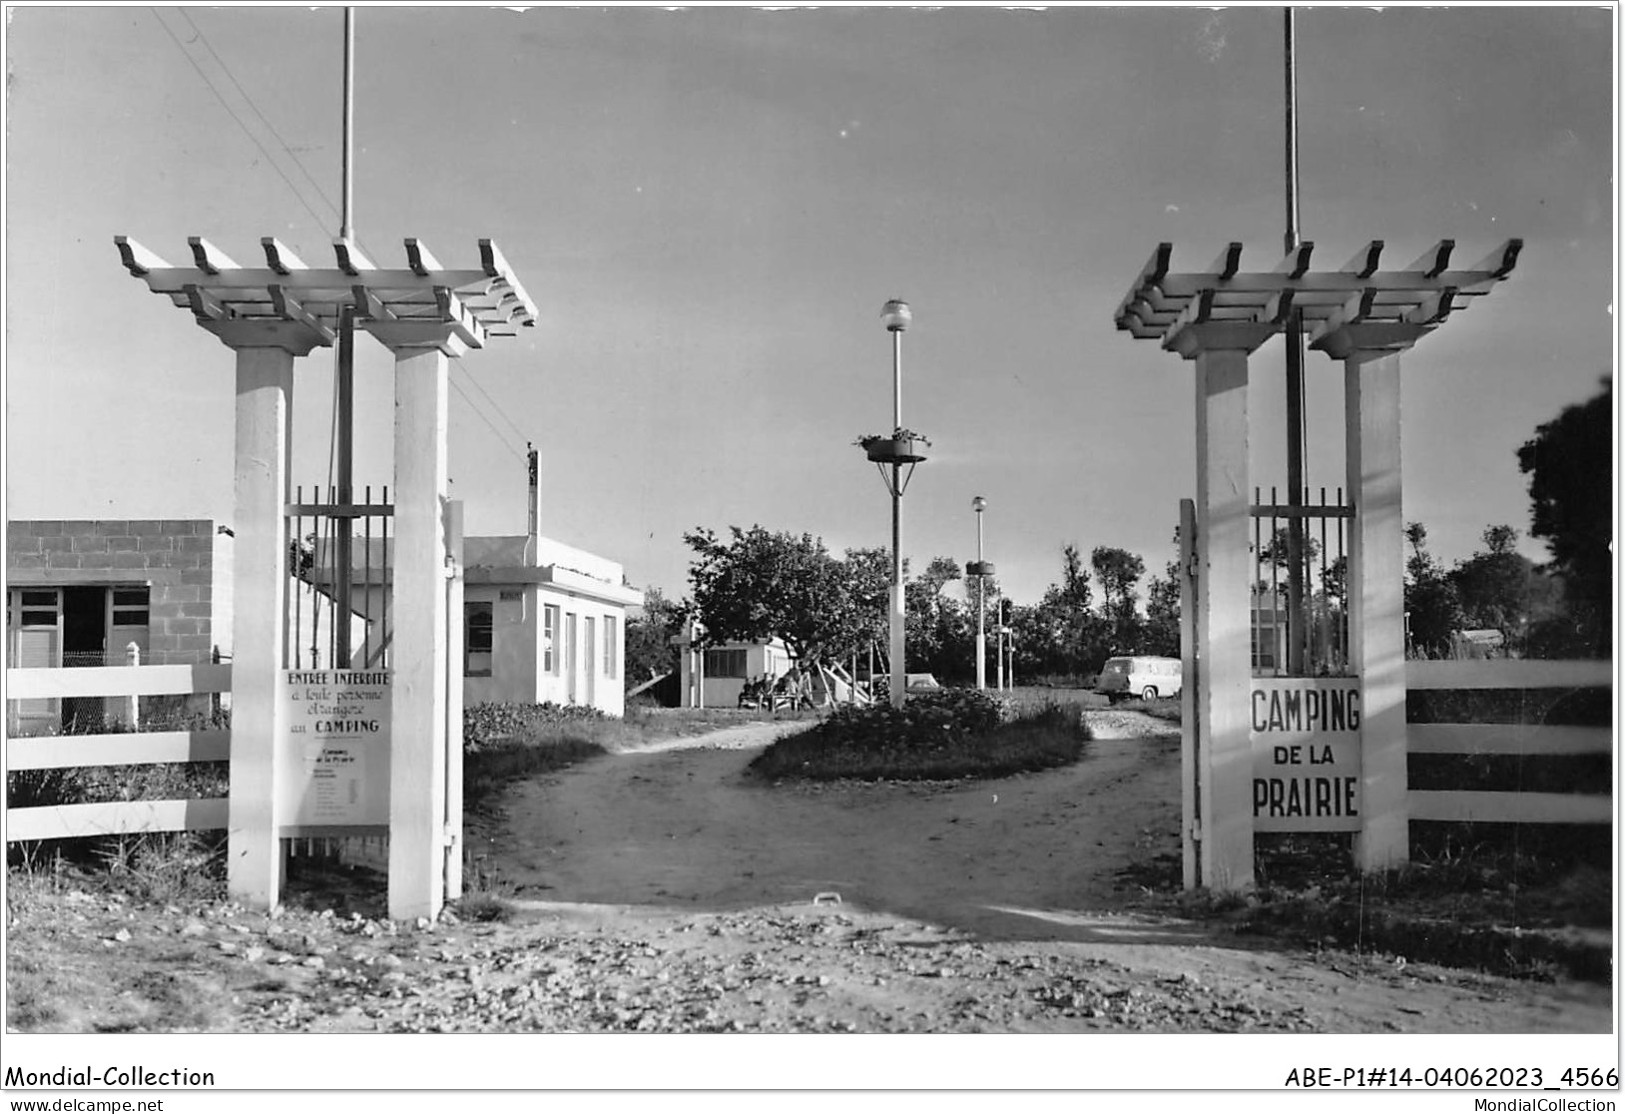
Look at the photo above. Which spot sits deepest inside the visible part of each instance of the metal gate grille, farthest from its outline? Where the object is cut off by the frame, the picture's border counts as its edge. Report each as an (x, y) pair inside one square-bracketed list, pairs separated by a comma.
[(1321, 625), (339, 560)]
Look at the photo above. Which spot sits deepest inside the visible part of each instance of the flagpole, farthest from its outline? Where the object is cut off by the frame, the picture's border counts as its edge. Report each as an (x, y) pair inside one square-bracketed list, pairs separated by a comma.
[(1297, 641), (345, 404)]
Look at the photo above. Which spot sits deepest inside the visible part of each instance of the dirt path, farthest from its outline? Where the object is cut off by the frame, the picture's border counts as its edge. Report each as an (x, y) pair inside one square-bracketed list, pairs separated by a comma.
[(681, 826), (680, 829), (660, 890)]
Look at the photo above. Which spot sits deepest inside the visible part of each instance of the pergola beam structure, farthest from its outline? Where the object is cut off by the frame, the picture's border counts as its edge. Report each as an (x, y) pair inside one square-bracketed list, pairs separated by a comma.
[(1159, 300), (279, 258), (478, 302)]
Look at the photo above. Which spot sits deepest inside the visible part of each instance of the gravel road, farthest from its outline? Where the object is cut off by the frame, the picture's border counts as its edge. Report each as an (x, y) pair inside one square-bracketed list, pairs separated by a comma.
[(661, 890)]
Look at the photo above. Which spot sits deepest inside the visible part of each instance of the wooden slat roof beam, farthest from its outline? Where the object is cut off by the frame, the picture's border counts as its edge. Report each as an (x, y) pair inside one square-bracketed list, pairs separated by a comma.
[(1160, 301), (484, 300), (279, 258)]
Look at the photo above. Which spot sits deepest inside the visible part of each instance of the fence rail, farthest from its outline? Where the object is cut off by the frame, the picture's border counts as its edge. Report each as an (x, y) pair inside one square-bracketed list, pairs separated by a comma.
[(1528, 740), (117, 680), (1508, 673), (60, 752), (115, 818), (118, 749)]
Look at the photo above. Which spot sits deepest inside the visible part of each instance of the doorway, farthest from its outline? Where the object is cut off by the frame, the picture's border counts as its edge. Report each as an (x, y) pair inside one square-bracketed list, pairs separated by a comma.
[(84, 643), (570, 655), (589, 646)]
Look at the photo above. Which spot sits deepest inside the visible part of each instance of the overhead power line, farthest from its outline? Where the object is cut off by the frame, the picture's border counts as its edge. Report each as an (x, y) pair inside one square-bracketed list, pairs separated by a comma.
[(498, 407), (501, 437), (232, 112), (300, 194)]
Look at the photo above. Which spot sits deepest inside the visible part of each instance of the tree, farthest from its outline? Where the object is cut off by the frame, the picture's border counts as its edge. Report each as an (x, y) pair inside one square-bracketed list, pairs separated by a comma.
[(1431, 605), (649, 650), (1275, 554), (1061, 635), (1162, 611), (1334, 581), (1118, 571), (936, 626), (868, 572), (1498, 587), (763, 584), (1570, 463)]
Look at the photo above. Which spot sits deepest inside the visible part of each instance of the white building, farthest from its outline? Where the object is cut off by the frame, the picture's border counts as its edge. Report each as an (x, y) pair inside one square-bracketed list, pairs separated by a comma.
[(543, 623), (714, 677)]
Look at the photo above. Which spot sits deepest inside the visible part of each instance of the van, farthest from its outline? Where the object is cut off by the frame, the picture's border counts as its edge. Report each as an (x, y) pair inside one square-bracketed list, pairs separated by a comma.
[(1145, 677)]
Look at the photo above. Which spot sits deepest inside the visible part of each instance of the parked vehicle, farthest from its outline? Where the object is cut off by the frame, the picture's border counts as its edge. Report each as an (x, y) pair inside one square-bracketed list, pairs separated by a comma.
[(1145, 677)]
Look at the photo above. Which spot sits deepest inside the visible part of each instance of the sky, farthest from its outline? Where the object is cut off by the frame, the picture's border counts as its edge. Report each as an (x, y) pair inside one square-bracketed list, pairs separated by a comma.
[(710, 207)]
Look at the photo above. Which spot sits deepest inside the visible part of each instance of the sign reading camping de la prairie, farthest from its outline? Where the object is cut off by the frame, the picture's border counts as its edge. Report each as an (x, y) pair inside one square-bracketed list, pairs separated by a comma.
[(338, 746), (1306, 754)]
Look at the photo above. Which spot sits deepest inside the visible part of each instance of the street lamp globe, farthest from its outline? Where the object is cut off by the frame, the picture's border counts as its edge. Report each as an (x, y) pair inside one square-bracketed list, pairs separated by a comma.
[(896, 315), (978, 504)]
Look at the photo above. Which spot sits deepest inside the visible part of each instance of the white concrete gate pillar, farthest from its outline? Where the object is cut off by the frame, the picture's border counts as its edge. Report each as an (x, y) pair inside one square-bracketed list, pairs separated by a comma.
[(418, 829), (1224, 762), (1377, 581), (265, 355), (1370, 353)]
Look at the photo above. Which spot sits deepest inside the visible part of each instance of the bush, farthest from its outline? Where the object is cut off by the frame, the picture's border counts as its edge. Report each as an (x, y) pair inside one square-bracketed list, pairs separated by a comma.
[(485, 724), (925, 719), (955, 733)]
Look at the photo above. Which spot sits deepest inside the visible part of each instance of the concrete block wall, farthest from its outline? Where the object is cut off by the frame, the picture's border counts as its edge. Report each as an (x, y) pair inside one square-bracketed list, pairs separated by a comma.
[(173, 557)]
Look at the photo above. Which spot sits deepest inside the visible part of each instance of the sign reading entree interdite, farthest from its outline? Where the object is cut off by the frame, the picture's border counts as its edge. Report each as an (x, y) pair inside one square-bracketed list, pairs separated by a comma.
[(1306, 754), (338, 747)]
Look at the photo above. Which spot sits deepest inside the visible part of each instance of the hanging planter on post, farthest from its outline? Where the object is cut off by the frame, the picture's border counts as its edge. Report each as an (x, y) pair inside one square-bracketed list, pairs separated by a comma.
[(902, 446)]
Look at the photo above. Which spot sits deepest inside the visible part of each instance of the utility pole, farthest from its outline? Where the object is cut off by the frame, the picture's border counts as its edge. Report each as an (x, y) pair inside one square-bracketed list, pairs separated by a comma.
[(1297, 635)]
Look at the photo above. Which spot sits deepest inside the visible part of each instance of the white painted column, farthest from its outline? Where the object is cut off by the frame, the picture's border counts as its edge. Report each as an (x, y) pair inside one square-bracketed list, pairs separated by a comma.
[(454, 702), (260, 583), (417, 764), (1190, 665), (1377, 589), (1223, 619), (896, 633), (1222, 703)]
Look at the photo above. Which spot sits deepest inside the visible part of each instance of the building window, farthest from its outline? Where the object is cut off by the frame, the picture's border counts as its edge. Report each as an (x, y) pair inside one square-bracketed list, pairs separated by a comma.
[(477, 637), (725, 663), (38, 607), (609, 646), (550, 639), (130, 606)]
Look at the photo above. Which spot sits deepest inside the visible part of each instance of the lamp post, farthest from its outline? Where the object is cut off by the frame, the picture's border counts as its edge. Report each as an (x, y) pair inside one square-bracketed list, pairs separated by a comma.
[(978, 504), (897, 317), (1004, 630)]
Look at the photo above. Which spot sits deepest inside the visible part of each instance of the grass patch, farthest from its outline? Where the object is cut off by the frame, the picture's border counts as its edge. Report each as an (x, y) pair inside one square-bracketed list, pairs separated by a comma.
[(505, 743), (953, 734), (1524, 901), (1168, 708)]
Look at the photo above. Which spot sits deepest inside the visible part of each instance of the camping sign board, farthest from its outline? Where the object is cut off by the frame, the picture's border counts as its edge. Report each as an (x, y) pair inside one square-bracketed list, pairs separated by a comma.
[(337, 747), (1306, 754)]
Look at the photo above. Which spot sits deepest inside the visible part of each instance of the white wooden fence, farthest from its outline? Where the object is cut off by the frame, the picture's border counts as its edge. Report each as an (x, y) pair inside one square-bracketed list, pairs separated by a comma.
[(132, 749), (62, 751), (1515, 739)]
